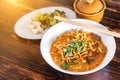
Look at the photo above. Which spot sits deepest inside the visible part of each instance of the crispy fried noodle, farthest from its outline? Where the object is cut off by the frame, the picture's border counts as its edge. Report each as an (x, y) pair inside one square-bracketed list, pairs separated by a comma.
[(78, 50)]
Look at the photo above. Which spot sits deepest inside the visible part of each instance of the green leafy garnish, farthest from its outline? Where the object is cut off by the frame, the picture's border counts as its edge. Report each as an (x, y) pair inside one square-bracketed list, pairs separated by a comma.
[(73, 62), (68, 50), (66, 65), (73, 45)]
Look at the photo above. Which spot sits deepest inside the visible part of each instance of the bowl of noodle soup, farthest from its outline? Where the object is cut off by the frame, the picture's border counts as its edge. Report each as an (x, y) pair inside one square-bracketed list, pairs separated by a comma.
[(75, 50)]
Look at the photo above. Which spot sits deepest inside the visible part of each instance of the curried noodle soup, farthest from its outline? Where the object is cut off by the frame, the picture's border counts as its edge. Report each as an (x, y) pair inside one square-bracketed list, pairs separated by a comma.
[(78, 51)]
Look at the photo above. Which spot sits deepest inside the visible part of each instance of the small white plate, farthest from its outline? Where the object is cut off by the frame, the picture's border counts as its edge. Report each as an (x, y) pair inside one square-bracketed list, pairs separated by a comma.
[(21, 25)]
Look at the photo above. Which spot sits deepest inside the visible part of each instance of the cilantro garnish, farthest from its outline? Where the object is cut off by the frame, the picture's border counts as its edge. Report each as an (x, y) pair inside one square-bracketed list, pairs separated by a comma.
[(74, 44)]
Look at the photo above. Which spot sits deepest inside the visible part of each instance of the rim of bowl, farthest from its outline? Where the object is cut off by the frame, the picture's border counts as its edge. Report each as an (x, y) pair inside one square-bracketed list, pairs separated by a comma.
[(99, 67)]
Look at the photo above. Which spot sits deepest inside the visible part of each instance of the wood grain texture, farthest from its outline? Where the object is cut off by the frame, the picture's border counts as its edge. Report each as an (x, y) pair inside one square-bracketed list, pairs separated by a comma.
[(20, 59)]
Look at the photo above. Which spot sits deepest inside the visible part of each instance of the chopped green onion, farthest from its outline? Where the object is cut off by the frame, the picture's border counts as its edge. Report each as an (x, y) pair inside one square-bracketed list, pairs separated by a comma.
[(66, 65), (73, 45), (68, 51)]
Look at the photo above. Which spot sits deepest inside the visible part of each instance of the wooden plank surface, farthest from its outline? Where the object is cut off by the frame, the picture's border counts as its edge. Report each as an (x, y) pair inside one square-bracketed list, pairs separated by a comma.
[(20, 59)]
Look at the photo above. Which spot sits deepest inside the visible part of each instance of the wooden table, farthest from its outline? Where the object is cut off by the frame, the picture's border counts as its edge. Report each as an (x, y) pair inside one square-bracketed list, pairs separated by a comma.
[(20, 59)]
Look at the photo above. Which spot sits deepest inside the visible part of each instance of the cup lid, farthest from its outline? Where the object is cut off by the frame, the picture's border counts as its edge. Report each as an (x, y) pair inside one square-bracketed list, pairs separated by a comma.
[(89, 6)]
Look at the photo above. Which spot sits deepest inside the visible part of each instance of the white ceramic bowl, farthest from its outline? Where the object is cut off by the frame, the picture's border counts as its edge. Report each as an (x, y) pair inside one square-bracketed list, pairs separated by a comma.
[(62, 27)]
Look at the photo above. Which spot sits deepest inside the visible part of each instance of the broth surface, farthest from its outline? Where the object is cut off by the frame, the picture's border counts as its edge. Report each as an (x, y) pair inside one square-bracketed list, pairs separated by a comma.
[(78, 51)]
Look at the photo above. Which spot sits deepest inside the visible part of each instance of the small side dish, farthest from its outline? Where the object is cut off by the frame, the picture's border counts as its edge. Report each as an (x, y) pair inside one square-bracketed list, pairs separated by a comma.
[(78, 51), (29, 27), (41, 21)]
